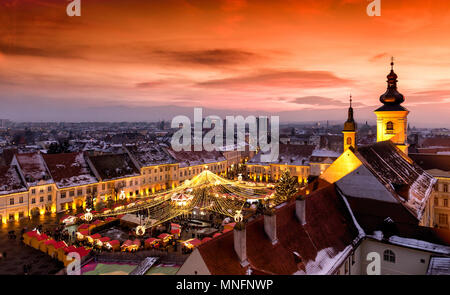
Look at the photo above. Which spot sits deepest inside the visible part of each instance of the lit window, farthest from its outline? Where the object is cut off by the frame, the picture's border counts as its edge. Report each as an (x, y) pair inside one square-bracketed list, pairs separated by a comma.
[(390, 126), (389, 256)]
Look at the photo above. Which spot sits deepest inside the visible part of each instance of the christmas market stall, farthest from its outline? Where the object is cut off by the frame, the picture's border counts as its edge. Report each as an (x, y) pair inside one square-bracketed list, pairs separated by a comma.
[(131, 246), (99, 243), (44, 246), (52, 249), (152, 243), (91, 239), (189, 245), (28, 236), (113, 245), (37, 240), (165, 239)]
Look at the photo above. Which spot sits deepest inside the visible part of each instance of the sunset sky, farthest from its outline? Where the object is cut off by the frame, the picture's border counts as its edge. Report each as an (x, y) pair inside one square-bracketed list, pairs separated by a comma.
[(149, 60)]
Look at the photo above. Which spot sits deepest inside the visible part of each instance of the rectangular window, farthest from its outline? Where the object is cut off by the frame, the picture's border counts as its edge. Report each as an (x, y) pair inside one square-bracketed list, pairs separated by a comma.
[(443, 218), (33, 191), (63, 195), (79, 192), (21, 200), (71, 193), (49, 198), (103, 186), (33, 201), (436, 202), (41, 190), (445, 202), (11, 201), (41, 199), (49, 189), (445, 188)]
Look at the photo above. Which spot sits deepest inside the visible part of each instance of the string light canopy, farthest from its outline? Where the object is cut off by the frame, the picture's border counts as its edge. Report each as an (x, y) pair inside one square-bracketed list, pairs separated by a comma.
[(205, 192)]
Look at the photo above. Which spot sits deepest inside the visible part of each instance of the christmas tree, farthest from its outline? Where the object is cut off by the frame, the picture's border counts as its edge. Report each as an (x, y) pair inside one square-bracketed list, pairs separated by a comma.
[(286, 187)]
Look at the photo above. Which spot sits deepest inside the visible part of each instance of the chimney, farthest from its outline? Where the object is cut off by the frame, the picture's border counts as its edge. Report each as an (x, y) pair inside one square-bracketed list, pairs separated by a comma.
[(240, 243), (300, 205), (270, 225)]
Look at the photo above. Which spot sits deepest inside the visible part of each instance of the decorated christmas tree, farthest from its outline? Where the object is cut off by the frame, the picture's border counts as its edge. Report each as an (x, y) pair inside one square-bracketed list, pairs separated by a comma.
[(286, 187)]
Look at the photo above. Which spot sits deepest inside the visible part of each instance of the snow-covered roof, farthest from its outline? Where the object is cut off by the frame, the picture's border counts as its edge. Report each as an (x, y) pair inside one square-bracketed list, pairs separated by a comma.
[(288, 154), (33, 169), (114, 166), (150, 154), (69, 169), (405, 179), (10, 181), (195, 158), (325, 153), (439, 266)]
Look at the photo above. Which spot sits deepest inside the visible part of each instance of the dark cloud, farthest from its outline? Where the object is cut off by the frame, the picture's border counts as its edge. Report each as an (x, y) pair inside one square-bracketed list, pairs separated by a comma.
[(211, 57), (47, 51), (321, 101), (151, 84), (279, 78), (428, 96)]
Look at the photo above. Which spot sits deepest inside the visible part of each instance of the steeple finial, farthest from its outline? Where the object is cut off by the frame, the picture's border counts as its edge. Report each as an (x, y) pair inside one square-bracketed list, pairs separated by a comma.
[(392, 96), (350, 100)]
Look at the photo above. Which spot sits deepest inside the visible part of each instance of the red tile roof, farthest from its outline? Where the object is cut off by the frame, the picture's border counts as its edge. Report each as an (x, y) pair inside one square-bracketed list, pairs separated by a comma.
[(328, 231), (436, 142)]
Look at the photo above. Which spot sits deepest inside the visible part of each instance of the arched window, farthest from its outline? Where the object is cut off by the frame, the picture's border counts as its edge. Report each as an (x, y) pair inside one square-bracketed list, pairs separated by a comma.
[(389, 126), (389, 256), (349, 140)]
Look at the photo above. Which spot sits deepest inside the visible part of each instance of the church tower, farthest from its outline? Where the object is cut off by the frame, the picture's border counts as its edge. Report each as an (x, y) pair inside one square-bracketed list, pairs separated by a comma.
[(391, 116), (349, 130)]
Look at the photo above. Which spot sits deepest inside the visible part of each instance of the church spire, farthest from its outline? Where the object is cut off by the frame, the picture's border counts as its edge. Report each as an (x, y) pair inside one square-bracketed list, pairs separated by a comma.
[(349, 130), (392, 97), (350, 124)]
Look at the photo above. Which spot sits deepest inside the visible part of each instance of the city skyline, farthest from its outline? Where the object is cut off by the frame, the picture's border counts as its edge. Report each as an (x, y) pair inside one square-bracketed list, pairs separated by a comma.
[(152, 61)]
